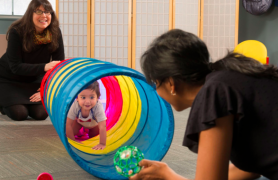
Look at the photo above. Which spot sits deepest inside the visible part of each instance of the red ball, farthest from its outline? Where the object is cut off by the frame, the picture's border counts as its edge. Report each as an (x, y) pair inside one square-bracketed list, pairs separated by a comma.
[(45, 176)]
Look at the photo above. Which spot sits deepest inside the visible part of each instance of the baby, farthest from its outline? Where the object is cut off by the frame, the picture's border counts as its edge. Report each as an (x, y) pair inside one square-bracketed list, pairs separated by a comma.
[(87, 112)]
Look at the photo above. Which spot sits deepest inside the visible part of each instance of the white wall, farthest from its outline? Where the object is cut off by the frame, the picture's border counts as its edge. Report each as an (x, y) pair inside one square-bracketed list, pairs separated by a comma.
[(20, 6), (219, 26), (111, 31), (73, 23), (152, 19), (186, 15)]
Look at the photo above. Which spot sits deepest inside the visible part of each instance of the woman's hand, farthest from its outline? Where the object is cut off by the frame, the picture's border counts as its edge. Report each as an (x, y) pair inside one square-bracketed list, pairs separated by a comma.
[(155, 170), (50, 65), (35, 97), (99, 147)]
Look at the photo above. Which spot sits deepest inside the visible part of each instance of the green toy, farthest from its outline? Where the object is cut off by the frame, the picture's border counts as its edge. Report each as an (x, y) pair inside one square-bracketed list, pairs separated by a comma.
[(126, 160)]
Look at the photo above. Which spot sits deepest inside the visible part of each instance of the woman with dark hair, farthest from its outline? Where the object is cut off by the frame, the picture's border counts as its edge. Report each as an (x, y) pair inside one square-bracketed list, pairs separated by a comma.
[(33, 41), (234, 108)]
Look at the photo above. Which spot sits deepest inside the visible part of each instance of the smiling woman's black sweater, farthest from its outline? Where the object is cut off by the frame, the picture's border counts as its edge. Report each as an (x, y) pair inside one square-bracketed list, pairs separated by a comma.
[(21, 72)]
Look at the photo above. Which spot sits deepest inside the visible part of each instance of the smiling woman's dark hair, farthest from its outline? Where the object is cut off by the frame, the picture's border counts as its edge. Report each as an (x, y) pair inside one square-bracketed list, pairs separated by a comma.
[(25, 26), (185, 57)]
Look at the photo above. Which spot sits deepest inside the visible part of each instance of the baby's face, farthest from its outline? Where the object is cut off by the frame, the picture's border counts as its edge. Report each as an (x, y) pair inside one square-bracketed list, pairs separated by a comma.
[(87, 99)]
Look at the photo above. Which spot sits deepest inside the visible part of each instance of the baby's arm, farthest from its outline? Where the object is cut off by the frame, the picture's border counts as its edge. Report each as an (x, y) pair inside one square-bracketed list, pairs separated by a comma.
[(102, 136), (69, 129), (102, 132)]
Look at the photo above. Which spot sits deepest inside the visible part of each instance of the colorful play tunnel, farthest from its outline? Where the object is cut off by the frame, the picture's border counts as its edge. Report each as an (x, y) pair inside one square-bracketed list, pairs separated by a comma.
[(136, 115)]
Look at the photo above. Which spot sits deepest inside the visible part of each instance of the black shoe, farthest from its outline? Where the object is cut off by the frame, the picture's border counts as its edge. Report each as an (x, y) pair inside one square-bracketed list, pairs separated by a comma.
[(1, 111)]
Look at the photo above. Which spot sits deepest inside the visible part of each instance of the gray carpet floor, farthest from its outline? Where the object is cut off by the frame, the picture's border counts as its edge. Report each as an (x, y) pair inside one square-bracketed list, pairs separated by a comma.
[(28, 148)]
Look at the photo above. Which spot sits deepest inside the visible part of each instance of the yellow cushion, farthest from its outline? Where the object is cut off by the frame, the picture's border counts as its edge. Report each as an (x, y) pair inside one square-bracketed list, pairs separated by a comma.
[(254, 49)]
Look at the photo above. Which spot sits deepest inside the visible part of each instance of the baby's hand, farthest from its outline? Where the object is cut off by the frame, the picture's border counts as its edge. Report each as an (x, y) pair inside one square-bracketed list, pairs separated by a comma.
[(99, 147)]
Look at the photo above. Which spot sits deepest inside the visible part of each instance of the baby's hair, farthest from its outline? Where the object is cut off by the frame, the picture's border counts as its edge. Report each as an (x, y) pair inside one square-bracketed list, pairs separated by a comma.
[(95, 87)]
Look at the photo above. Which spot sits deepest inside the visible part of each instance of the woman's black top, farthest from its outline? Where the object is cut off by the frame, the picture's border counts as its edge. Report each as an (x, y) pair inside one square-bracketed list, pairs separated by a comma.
[(21, 72), (254, 102)]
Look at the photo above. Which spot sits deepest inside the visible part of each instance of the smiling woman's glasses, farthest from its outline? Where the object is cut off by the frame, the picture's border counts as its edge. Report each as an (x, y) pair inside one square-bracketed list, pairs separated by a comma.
[(40, 12)]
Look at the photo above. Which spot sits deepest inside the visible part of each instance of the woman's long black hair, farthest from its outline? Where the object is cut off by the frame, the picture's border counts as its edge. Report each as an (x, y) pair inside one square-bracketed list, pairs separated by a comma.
[(25, 26), (185, 57)]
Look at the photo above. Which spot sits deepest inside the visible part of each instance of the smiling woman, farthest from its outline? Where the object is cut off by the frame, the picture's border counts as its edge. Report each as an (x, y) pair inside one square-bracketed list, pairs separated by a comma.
[(33, 41)]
